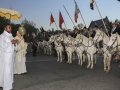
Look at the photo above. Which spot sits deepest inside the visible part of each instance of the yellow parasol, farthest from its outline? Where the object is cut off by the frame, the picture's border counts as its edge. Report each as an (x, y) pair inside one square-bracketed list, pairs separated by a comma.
[(9, 13)]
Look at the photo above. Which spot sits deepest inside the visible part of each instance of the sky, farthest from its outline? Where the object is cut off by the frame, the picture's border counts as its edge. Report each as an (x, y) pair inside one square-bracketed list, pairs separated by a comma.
[(38, 11)]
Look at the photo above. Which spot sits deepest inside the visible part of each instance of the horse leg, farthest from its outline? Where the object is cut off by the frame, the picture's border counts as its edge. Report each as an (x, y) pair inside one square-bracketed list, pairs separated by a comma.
[(105, 62), (68, 57), (108, 63), (78, 59), (92, 62), (88, 66), (96, 55), (81, 63), (73, 56), (83, 57), (58, 56)]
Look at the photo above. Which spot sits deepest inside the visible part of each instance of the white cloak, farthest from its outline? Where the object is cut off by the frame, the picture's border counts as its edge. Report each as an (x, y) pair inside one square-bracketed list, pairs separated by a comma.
[(20, 58), (6, 60)]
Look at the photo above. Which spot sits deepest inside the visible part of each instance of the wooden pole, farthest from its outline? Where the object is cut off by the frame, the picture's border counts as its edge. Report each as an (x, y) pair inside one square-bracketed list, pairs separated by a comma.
[(10, 15), (55, 23), (64, 22), (101, 17), (68, 15), (81, 15)]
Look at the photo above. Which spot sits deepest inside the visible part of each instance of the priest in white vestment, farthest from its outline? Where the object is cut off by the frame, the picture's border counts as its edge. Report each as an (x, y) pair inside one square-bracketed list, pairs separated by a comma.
[(7, 48), (20, 58)]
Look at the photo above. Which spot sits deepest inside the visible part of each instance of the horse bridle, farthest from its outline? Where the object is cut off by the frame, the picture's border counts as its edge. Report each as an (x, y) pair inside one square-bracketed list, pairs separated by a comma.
[(79, 41), (99, 36), (68, 42)]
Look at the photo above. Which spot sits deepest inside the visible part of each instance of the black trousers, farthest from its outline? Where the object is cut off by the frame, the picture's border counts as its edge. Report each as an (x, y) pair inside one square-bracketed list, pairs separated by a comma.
[(34, 51), (65, 53), (55, 53)]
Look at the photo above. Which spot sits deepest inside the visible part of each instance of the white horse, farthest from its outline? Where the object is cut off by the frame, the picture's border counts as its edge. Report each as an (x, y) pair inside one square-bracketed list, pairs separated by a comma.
[(114, 45), (79, 49), (45, 47), (69, 47), (90, 50), (49, 49), (58, 46), (100, 35)]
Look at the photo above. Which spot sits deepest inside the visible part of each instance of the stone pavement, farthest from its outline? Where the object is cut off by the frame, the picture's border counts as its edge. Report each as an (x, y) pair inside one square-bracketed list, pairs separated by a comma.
[(44, 73)]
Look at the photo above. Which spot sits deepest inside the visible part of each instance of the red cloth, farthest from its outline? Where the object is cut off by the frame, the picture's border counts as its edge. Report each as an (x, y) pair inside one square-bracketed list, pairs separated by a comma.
[(75, 17), (51, 19), (61, 20)]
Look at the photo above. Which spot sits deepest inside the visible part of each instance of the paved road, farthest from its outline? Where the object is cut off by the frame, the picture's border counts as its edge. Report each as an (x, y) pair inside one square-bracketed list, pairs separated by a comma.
[(44, 73)]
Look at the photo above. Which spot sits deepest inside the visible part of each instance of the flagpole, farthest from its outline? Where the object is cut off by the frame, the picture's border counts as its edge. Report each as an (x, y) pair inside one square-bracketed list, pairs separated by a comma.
[(101, 16), (55, 23), (81, 15), (64, 22), (68, 15)]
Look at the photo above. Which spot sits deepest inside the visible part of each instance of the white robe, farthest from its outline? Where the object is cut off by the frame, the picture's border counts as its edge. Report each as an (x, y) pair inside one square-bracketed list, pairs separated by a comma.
[(20, 58), (6, 60)]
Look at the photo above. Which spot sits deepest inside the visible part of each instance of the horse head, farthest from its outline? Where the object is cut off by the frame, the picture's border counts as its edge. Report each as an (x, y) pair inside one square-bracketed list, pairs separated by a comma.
[(98, 37), (113, 42)]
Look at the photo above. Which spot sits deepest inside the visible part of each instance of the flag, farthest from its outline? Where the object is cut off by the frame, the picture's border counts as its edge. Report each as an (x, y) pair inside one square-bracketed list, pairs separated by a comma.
[(91, 4), (60, 20), (51, 19), (76, 12)]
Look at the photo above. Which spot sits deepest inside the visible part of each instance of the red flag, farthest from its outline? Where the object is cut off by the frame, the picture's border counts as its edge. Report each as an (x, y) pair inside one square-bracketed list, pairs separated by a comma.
[(60, 20), (76, 12), (51, 19), (75, 17)]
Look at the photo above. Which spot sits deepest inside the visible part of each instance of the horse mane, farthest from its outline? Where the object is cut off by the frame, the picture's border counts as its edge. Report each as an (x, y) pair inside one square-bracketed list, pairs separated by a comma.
[(103, 33), (85, 39)]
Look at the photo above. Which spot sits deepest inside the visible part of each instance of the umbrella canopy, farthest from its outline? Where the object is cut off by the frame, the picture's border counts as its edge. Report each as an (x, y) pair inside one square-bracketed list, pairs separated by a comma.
[(9, 13)]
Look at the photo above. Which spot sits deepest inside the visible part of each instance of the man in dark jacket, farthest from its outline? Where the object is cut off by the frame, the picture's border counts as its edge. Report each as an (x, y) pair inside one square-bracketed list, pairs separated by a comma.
[(34, 47), (85, 33), (94, 31), (75, 33), (114, 30)]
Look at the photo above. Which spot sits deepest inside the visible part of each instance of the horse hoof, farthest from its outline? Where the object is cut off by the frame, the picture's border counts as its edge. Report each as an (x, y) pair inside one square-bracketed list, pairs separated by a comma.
[(107, 71), (87, 67), (91, 68)]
